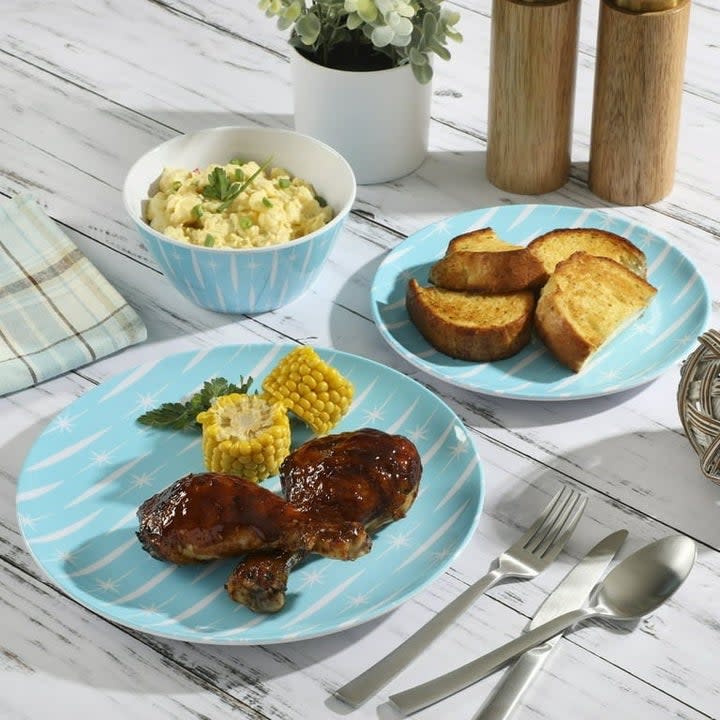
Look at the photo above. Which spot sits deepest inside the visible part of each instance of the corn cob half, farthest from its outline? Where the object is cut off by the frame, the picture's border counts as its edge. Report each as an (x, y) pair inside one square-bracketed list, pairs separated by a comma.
[(310, 388), (246, 435)]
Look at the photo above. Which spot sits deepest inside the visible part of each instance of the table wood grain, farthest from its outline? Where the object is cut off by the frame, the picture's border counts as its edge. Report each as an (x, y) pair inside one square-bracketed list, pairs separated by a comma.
[(87, 87)]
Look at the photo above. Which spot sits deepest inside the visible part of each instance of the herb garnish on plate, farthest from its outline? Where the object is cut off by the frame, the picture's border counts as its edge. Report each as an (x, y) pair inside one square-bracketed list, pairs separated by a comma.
[(181, 415)]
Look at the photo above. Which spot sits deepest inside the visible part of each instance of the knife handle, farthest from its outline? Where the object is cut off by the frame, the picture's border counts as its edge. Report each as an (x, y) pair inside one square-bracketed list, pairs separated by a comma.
[(420, 696), (516, 680), (365, 685)]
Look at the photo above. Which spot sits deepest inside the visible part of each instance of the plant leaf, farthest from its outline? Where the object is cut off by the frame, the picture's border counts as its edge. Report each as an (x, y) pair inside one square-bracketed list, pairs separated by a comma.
[(182, 415), (172, 416)]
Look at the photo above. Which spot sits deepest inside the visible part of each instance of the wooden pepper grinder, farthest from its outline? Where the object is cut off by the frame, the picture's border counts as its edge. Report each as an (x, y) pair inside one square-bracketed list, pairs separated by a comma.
[(636, 106), (533, 55)]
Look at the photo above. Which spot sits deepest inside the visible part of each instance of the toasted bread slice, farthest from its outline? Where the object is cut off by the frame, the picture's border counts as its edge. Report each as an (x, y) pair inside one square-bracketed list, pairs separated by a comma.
[(481, 261), (586, 301), (471, 326), (557, 245)]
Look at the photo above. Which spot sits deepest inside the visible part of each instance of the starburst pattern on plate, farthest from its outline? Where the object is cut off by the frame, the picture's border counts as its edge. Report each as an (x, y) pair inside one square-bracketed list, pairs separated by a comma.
[(75, 512), (679, 312)]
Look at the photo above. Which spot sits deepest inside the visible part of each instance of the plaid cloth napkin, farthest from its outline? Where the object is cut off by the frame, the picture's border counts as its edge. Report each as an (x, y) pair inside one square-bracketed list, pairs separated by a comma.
[(57, 312)]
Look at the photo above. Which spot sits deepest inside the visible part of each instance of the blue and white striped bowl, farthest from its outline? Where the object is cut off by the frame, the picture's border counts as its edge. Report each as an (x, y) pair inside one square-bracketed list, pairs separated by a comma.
[(248, 280), (663, 336)]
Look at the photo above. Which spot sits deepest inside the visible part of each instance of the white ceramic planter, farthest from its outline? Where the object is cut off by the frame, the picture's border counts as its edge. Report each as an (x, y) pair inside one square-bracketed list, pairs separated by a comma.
[(378, 120)]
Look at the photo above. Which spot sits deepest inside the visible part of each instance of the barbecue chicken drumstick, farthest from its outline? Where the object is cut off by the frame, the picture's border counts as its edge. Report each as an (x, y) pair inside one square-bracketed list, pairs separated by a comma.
[(366, 476), (211, 515)]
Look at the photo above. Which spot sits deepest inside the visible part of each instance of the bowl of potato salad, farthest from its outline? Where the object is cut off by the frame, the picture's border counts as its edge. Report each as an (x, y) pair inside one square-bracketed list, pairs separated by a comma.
[(240, 219)]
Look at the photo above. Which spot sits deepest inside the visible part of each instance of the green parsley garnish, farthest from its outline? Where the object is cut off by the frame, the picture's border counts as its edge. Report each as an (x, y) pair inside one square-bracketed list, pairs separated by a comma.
[(284, 183), (209, 240), (220, 188), (181, 415), (266, 202)]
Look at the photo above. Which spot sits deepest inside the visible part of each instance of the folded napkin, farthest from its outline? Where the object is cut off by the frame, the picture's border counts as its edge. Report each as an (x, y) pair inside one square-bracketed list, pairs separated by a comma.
[(57, 312)]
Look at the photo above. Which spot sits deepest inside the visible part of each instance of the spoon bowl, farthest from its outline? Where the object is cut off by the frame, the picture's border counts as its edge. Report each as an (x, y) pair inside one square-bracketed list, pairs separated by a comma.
[(645, 580), (634, 587)]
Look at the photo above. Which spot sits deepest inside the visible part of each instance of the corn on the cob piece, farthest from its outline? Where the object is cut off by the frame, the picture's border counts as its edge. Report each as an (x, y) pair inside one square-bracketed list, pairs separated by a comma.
[(310, 388), (246, 435)]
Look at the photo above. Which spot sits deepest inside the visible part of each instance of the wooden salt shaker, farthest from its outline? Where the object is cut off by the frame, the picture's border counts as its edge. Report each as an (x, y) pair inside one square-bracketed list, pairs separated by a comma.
[(532, 81), (636, 106)]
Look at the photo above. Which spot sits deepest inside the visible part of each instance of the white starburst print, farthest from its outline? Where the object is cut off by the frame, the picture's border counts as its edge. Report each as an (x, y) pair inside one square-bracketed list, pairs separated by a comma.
[(399, 540), (141, 480), (373, 415), (147, 400), (109, 585), (65, 557), (418, 434), (315, 576), (63, 424), (101, 458), (643, 328), (355, 601), (440, 555), (684, 340), (459, 448), (28, 521)]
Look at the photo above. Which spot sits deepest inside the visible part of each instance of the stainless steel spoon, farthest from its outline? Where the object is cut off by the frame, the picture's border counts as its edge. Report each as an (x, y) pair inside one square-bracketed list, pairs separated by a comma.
[(633, 588)]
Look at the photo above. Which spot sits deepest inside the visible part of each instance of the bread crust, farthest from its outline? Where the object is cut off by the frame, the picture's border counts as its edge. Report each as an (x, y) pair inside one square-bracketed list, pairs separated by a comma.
[(432, 310), (489, 272), (482, 239), (481, 261), (559, 334), (557, 321)]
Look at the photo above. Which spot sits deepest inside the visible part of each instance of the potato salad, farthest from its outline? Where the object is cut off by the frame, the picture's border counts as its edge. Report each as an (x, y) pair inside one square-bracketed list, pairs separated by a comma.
[(239, 205)]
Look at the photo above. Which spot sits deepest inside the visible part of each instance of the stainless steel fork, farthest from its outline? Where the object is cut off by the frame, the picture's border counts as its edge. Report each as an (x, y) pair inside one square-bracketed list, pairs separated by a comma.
[(531, 554)]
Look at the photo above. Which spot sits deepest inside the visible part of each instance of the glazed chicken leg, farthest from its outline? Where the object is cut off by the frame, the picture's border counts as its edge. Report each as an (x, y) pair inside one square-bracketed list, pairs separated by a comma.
[(366, 476), (210, 515)]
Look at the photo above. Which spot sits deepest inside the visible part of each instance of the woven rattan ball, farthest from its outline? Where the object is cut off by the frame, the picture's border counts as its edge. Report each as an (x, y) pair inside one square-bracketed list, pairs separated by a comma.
[(699, 402)]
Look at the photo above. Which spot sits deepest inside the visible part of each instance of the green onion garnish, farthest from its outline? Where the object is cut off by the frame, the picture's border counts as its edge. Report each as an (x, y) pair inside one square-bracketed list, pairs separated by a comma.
[(284, 183), (266, 202), (197, 211), (209, 240)]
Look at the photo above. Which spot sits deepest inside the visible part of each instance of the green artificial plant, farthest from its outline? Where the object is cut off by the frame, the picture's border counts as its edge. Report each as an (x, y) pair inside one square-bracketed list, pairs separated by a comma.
[(368, 34)]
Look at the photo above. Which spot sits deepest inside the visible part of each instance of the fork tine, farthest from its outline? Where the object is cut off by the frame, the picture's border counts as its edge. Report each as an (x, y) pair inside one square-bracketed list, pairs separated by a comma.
[(557, 525), (533, 529), (553, 521), (566, 531)]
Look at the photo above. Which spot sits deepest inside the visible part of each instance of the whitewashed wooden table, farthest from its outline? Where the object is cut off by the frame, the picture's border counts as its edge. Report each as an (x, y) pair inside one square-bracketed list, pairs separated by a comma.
[(87, 87)]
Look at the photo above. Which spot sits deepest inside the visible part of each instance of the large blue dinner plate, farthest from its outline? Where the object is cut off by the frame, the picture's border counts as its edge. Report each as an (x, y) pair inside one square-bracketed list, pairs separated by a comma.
[(665, 333), (94, 464)]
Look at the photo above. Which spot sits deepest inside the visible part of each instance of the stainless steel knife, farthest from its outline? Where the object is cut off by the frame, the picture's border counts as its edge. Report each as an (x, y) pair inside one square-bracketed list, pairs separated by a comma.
[(569, 595)]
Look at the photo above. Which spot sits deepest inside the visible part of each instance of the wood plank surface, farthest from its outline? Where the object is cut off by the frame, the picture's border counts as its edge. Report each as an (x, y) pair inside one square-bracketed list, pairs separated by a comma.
[(87, 88)]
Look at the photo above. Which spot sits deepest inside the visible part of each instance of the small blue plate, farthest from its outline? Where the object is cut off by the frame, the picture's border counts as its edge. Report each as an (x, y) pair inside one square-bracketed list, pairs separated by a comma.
[(92, 467), (662, 336)]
